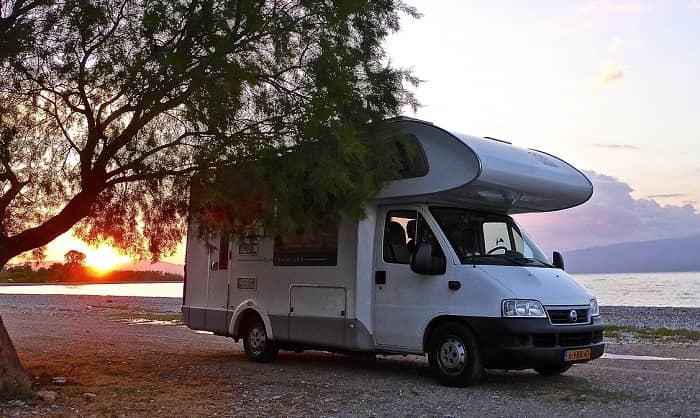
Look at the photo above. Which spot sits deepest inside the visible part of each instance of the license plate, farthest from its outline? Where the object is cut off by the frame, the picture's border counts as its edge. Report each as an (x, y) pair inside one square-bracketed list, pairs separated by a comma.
[(580, 354)]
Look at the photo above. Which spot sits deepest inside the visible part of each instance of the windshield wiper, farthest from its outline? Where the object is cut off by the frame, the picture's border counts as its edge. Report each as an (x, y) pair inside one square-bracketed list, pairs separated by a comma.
[(512, 260), (528, 260)]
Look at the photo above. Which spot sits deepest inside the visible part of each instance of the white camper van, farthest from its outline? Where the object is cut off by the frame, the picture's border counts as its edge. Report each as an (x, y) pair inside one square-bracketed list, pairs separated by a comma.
[(438, 266)]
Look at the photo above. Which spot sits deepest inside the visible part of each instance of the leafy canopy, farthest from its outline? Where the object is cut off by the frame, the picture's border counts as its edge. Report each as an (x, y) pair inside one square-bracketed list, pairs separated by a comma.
[(107, 108), (74, 257)]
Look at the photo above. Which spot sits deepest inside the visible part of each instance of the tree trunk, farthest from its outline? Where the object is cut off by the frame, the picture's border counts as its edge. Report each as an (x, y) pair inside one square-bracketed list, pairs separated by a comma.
[(14, 381)]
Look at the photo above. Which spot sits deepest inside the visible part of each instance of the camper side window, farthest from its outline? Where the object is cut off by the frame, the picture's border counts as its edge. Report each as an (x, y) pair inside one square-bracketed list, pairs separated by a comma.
[(315, 249), (411, 157)]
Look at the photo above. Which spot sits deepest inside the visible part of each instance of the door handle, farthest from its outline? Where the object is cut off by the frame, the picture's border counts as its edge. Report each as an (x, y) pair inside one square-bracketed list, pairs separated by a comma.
[(380, 277), (454, 285)]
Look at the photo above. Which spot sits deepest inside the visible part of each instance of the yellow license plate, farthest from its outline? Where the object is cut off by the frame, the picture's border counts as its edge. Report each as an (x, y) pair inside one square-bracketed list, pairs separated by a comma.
[(580, 354)]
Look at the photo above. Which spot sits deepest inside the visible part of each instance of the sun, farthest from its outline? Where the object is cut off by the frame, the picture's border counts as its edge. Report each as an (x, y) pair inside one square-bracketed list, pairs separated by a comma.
[(104, 259)]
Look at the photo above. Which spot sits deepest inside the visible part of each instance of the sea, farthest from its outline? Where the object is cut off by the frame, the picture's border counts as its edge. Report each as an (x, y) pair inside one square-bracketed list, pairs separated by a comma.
[(612, 289)]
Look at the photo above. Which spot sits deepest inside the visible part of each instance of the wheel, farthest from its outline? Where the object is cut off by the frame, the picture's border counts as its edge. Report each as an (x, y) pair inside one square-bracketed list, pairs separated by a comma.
[(257, 346), (552, 370), (454, 355)]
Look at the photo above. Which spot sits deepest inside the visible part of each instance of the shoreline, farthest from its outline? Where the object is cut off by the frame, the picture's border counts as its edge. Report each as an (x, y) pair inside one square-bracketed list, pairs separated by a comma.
[(654, 317), (87, 284)]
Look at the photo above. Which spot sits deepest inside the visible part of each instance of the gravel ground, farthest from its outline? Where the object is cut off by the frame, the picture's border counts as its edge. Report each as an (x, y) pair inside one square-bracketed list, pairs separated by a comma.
[(147, 368), (653, 317)]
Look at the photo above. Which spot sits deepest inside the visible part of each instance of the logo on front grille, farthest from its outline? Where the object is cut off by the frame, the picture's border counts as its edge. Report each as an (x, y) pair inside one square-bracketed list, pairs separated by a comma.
[(573, 316)]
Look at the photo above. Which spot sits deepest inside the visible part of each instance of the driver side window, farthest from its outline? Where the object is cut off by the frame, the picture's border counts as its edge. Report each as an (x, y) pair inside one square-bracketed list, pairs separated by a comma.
[(496, 238), (403, 230)]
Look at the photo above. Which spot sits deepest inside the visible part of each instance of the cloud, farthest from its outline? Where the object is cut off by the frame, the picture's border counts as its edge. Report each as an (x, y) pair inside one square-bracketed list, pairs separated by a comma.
[(618, 44), (695, 4), (611, 216), (589, 15), (611, 70), (617, 146), (665, 195), (613, 6)]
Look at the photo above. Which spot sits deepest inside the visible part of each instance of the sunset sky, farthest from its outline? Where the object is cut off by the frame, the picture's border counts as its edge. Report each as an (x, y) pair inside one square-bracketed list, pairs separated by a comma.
[(610, 86)]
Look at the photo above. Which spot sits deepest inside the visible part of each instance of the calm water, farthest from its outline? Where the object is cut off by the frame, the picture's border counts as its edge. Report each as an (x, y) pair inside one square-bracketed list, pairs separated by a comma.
[(626, 289), (644, 289)]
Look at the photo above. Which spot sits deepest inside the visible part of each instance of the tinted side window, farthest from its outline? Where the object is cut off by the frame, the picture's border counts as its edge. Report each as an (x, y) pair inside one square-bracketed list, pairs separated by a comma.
[(411, 157), (316, 249), (223, 251)]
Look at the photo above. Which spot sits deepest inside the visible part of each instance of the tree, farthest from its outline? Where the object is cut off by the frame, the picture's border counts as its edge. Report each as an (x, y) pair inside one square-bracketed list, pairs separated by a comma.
[(74, 257), (107, 107)]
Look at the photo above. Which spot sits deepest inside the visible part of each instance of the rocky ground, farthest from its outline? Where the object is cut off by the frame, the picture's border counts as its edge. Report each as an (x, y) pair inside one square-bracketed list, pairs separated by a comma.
[(123, 356)]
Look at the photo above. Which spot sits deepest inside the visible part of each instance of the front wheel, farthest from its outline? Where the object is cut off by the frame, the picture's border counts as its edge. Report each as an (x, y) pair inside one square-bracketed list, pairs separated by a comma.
[(454, 355), (552, 370), (257, 346)]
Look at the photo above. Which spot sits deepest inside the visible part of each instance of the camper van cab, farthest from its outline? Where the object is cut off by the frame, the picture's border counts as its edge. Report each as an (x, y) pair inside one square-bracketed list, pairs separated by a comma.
[(438, 267)]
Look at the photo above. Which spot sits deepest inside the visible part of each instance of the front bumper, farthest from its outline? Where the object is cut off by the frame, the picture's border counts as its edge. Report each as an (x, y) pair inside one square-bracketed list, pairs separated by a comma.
[(524, 343)]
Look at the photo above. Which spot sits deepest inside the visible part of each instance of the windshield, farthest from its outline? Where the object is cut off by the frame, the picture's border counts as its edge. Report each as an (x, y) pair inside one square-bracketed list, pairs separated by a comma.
[(482, 238)]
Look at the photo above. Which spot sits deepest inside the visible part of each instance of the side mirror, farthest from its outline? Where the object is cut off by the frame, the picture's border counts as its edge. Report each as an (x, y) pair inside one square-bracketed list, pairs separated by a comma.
[(558, 260), (423, 262)]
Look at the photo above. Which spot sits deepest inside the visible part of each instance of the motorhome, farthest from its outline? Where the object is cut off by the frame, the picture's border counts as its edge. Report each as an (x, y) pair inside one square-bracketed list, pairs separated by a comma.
[(438, 266)]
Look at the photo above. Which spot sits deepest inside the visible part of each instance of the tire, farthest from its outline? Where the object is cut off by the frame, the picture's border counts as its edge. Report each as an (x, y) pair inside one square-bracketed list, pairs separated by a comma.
[(257, 346), (552, 370), (454, 355)]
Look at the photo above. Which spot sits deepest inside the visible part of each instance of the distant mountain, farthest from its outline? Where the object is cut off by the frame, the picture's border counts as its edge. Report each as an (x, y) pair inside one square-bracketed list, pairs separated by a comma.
[(677, 254), (145, 265)]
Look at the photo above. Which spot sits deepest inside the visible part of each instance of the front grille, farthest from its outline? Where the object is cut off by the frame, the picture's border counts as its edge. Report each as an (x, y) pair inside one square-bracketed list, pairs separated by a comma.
[(562, 316), (572, 340), (567, 340)]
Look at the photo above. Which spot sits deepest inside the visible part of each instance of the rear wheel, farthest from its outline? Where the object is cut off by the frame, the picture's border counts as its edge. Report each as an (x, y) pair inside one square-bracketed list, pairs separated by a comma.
[(257, 346), (454, 355), (552, 370)]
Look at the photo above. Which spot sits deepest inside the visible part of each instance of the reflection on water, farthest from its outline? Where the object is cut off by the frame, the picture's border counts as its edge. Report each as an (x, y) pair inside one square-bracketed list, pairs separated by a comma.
[(166, 289), (644, 289)]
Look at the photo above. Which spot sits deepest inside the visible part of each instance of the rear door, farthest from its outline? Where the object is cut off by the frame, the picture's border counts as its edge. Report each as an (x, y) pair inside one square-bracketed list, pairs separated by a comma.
[(404, 301), (217, 286)]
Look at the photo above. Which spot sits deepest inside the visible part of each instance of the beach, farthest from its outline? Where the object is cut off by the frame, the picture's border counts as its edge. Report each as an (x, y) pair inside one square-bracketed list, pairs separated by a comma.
[(135, 357)]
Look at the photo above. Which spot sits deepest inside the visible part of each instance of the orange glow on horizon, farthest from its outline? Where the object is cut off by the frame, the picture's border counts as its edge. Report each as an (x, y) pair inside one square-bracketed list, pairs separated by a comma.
[(104, 259)]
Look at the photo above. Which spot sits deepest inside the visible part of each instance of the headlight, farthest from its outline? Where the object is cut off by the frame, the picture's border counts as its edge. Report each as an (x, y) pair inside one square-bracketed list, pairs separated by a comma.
[(593, 308), (523, 308)]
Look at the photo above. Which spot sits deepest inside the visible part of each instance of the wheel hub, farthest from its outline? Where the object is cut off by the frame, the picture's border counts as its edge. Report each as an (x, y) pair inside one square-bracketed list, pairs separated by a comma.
[(452, 356), (257, 340)]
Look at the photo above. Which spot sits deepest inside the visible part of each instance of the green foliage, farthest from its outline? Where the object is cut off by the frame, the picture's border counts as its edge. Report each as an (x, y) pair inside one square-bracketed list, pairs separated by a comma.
[(74, 257), (109, 107)]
